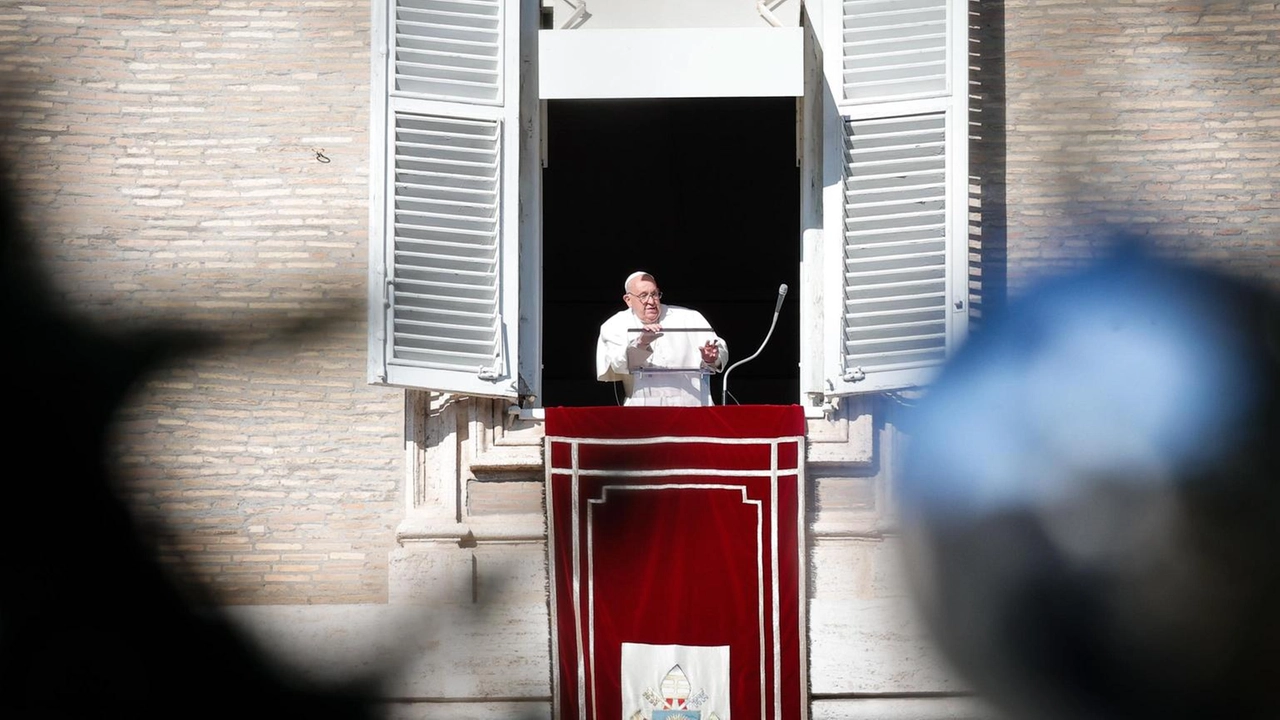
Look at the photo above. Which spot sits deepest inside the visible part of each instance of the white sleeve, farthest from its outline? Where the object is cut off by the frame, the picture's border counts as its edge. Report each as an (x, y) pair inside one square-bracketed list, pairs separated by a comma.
[(611, 352)]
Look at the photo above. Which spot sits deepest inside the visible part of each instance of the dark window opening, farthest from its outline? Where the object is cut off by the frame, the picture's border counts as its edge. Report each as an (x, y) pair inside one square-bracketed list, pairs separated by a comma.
[(705, 194)]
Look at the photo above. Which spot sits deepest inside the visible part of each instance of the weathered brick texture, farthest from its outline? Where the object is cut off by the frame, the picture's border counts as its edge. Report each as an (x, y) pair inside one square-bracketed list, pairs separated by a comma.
[(1160, 115), (171, 154)]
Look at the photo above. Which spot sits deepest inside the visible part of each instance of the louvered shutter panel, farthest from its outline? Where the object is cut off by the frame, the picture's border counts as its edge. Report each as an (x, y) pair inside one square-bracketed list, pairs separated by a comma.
[(449, 229), (444, 305), (449, 49), (895, 227), (893, 49)]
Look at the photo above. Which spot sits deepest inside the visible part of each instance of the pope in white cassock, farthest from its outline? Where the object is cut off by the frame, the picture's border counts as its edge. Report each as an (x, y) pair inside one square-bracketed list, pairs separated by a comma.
[(651, 336)]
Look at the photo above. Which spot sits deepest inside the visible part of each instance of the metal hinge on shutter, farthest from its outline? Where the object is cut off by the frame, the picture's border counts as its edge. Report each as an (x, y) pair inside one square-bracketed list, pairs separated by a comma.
[(579, 16), (494, 372)]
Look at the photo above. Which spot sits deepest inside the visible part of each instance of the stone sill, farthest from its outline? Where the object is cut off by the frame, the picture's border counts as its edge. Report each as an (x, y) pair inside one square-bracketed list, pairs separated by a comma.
[(514, 441), (489, 529)]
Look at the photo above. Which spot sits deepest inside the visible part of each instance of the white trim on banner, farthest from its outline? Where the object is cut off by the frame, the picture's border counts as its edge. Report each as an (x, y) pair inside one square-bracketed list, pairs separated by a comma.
[(574, 473), (591, 624)]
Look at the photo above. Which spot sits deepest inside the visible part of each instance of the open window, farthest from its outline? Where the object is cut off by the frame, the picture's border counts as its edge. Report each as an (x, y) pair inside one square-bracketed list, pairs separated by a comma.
[(702, 192), (457, 258)]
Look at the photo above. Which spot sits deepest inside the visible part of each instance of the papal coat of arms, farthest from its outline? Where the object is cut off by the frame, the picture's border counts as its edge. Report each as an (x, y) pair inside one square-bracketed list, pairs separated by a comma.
[(699, 693)]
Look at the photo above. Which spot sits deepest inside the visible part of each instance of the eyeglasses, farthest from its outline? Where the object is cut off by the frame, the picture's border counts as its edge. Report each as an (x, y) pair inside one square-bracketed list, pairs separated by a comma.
[(644, 296)]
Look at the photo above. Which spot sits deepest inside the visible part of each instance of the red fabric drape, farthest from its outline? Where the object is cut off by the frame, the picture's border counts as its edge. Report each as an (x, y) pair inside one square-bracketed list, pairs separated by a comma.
[(677, 526)]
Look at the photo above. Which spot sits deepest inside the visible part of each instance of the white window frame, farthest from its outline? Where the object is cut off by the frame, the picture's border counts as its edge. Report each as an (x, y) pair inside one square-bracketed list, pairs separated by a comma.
[(824, 375)]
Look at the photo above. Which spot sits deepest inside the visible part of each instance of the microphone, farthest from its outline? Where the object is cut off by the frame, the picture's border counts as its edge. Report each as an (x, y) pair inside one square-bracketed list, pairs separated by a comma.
[(777, 308)]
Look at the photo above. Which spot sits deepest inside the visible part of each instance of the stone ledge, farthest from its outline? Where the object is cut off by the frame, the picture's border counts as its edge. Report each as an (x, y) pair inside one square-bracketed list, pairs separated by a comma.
[(487, 529)]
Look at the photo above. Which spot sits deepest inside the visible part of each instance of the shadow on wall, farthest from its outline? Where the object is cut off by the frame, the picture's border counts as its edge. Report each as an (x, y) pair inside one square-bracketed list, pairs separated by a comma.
[(1092, 498), (988, 162), (91, 623)]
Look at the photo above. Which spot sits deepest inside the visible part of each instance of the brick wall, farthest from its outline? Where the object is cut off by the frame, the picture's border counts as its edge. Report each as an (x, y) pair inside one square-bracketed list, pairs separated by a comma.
[(1157, 114), (207, 162), (173, 155)]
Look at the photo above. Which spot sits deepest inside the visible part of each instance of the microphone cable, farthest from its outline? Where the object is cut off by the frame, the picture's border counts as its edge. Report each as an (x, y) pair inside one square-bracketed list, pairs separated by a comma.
[(724, 381)]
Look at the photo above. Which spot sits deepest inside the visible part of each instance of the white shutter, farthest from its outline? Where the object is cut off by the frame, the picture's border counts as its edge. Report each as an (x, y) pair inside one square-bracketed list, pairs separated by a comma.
[(444, 289), (446, 185), (893, 49), (449, 49), (895, 230)]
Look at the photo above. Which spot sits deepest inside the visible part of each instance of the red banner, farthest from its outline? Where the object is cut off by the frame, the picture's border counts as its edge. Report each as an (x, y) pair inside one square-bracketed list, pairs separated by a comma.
[(677, 562)]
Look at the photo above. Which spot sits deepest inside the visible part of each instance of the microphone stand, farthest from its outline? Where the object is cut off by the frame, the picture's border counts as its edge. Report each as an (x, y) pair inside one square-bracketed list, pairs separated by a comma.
[(724, 383)]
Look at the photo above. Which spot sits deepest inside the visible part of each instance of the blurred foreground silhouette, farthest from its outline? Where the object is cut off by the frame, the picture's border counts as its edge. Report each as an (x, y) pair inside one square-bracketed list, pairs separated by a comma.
[(90, 624), (1092, 498)]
